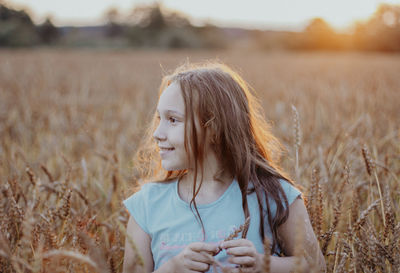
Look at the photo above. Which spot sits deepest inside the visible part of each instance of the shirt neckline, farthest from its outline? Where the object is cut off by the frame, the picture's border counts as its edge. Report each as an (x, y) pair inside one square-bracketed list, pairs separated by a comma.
[(204, 206)]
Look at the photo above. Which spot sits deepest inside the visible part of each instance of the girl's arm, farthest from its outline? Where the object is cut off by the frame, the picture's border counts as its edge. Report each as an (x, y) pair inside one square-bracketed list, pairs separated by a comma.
[(243, 252), (297, 228), (142, 241)]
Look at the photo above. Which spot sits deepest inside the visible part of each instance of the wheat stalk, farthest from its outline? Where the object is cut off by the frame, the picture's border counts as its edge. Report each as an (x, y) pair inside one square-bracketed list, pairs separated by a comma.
[(266, 265), (297, 139), (70, 254), (370, 165), (138, 257), (364, 214), (231, 236), (389, 215), (31, 175), (47, 172), (236, 231)]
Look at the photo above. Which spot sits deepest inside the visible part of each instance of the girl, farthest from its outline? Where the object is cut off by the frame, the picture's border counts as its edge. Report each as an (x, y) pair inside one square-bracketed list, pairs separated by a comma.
[(214, 163)]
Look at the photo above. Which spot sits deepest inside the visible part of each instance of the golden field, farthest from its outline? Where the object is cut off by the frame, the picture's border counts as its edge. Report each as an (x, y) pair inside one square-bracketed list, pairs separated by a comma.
[(70, 123)]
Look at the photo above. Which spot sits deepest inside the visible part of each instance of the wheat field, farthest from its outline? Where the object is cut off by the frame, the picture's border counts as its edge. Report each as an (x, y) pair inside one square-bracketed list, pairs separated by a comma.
[(71, 120)]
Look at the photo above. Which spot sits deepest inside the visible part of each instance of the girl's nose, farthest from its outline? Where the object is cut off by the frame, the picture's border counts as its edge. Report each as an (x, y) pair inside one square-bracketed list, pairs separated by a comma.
[(158, 134)]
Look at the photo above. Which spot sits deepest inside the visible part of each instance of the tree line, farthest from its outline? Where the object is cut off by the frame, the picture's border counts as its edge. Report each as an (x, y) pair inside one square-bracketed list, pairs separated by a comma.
[(152, 26), (18, 30)]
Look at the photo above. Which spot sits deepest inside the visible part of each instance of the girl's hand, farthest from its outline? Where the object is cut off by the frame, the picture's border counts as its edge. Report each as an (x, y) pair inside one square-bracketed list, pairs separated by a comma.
[(196, 257), (244, 254)]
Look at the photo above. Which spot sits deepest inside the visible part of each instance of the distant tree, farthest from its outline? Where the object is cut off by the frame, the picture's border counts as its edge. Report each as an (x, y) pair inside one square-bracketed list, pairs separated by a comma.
[(319, 26), (7, 14), (112, 15), (152, 26), (320, 35), (113, 27), (387, 25), (149, 17), (48, 33), (16, 28), (381, 32), (156, 18)]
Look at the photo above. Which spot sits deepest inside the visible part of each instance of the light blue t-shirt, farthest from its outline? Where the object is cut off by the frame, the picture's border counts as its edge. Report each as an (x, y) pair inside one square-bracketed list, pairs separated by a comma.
[(171, 224)]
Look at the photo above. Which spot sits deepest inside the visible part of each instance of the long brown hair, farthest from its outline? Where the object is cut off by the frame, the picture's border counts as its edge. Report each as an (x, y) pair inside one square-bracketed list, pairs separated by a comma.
[(230, 115)]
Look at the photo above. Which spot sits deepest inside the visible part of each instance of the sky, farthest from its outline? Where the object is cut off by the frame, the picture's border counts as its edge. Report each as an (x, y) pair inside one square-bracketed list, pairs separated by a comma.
[(261, 14)]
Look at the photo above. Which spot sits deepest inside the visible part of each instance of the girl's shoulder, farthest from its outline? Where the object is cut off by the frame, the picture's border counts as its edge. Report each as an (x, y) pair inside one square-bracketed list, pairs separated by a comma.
[(156, 186), (155, 190), (289, 187), (290, 190), (151, 195)]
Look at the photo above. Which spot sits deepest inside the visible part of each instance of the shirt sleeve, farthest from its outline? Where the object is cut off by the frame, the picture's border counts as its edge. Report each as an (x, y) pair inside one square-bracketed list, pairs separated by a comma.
[(136, 204), (291, 192)]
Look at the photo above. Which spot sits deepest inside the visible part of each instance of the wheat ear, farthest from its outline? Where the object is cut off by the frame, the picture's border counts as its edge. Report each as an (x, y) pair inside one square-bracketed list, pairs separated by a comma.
[(297, 138), (236, 231)]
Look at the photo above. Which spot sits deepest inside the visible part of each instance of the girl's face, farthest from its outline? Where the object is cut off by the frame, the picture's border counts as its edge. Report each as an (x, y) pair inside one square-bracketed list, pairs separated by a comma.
[(170, 133)]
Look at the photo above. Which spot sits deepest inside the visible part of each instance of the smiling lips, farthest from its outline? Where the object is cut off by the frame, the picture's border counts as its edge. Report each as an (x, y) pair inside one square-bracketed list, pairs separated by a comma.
[(165, 150)]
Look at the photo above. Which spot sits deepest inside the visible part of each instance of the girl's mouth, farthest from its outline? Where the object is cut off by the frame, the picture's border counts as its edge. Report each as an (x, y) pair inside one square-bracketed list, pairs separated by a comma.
[(164, 150)]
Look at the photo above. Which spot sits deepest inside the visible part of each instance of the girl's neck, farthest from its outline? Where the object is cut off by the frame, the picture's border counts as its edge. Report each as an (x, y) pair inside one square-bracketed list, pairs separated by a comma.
[(208, 179), (211, 176), (211, 189), (213, 181)]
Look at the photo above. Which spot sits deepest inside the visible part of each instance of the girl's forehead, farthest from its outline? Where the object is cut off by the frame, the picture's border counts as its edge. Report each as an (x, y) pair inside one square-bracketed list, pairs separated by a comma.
[(171, 99)]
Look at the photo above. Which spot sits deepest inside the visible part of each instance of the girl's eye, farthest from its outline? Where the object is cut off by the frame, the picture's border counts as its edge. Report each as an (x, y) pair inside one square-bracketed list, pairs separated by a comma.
[(172, 120)]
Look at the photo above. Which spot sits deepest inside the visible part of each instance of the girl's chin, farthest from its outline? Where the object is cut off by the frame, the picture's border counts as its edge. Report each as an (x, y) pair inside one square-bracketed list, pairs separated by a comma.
[(171, 167)]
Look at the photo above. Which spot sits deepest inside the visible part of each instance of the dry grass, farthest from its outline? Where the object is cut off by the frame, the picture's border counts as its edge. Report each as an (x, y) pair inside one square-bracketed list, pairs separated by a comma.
[(70, 122)]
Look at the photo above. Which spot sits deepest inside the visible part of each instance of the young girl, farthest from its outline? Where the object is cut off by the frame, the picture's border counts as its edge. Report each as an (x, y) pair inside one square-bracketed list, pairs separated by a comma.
[(213, 163)]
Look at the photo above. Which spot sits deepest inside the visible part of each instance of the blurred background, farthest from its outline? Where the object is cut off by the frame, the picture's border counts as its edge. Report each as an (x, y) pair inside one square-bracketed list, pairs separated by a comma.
[(362, 25)]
